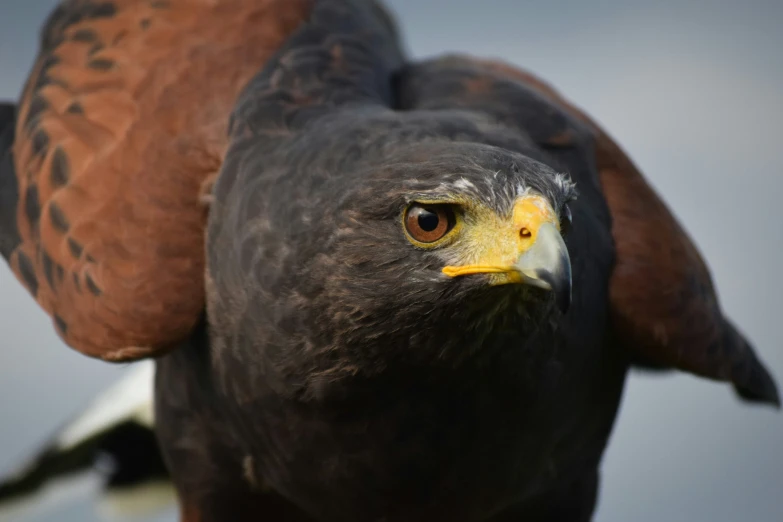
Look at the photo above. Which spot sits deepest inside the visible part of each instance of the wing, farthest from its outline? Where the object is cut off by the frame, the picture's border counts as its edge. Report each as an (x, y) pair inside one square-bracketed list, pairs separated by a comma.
[(664, 308), (122, 121)]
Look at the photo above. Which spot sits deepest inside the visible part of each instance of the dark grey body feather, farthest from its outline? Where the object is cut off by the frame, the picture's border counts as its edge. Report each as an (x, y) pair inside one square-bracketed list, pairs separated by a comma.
[(356, 379)]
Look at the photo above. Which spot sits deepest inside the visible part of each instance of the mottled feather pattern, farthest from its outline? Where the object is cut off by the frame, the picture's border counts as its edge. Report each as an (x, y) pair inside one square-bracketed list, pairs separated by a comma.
[(110, 158)]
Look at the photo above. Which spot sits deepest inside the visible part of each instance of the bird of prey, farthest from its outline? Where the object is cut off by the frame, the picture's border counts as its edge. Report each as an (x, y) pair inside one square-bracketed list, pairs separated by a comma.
[(374, 289)]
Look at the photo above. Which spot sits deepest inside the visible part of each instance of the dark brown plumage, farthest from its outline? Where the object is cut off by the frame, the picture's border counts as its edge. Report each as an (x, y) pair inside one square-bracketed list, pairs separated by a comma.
[(339, 372)]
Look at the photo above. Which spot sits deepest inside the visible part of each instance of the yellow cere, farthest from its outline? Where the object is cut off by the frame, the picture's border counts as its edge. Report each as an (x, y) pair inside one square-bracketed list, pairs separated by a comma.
[(493, 243)]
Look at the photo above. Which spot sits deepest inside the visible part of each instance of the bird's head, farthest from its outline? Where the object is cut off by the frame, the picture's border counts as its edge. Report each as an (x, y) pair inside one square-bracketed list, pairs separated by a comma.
[(423, 254), (444, 236)]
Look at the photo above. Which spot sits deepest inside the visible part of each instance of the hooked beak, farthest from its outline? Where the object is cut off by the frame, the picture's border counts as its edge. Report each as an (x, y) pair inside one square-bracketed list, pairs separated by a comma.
[(531, 251), (547, 265)]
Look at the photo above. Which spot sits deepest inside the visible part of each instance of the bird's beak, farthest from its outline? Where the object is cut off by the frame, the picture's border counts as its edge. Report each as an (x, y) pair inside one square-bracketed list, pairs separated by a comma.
[(546, 265), (530, 251)]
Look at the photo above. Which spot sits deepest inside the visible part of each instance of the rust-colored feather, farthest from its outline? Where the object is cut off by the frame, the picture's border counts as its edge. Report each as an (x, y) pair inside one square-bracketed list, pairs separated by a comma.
[(122, 120)]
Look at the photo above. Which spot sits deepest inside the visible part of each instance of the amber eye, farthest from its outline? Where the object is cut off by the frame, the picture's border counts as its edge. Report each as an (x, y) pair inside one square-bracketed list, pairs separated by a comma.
[(429, 223), (566, 221)]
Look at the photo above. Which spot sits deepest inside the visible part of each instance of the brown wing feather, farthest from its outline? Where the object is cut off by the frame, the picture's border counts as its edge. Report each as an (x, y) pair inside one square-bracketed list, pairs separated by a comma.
[(664, 306), (123, 118)]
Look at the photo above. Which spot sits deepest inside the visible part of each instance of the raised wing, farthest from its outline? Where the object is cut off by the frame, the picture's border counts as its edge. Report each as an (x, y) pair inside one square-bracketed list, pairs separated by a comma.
[(122, 121), (664, 309)]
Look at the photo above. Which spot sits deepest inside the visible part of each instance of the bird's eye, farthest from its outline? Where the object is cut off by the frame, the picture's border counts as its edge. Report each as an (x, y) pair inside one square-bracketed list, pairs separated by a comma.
[(429, 223), (566, 220)]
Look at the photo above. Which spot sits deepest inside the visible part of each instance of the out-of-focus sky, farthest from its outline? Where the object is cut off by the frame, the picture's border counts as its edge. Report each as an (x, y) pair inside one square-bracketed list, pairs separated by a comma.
[(694, 91)]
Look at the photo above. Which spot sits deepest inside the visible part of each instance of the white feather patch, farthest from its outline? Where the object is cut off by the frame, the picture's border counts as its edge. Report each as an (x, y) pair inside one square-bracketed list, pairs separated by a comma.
[(129, 399), (141, 500)]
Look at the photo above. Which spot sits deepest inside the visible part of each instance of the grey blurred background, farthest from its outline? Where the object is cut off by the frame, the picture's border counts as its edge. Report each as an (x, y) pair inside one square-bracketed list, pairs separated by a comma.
[(694, 91)]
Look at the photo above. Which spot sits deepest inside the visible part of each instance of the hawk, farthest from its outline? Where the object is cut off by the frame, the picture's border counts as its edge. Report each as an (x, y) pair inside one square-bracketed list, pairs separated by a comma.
[(375, 289)]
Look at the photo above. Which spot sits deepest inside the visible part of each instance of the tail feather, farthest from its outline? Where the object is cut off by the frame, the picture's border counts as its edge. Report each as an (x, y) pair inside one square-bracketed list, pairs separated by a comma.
[(111, 447), (9, 187)]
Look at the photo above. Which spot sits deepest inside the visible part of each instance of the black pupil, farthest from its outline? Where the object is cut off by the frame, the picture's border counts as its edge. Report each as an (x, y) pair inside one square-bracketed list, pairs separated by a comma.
[(428, 221)]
